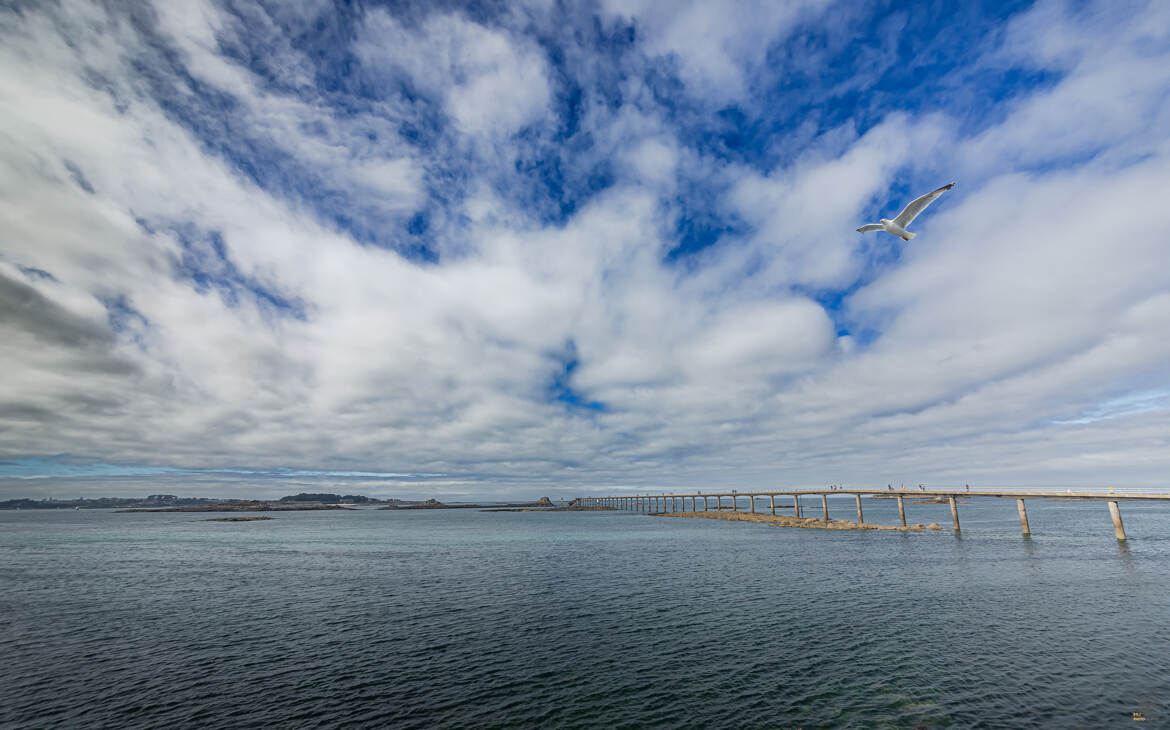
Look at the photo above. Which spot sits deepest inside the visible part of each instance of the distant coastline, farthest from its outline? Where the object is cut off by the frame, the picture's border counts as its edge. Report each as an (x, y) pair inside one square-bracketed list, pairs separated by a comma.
[(256, 506)]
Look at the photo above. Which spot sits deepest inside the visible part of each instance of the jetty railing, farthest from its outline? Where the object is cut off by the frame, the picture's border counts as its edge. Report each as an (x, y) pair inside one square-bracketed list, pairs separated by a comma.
[(677, 502)]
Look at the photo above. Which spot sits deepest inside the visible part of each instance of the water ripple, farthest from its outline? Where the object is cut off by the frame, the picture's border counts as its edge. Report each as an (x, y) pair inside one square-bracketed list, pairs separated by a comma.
[(464, 619)]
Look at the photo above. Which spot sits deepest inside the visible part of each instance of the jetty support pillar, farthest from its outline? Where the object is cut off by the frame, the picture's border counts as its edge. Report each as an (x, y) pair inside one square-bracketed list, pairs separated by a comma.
[(752, 502), (901, 510), (796, 504), (1027, 531), (1118, 528), (860, 517), (954, 512), (772, 503), (825, 506)]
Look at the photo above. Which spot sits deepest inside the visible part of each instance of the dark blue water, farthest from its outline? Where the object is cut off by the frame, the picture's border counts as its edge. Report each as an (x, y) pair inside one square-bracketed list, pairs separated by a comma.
[(471, 619)]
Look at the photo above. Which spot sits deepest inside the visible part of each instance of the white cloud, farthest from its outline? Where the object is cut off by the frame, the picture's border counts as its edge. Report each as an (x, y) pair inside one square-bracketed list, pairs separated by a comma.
[(490, 83), (1020, 338), (714, 46)]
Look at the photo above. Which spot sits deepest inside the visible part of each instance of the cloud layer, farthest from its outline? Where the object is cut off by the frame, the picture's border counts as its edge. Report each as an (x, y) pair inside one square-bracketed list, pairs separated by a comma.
[(567, 251)]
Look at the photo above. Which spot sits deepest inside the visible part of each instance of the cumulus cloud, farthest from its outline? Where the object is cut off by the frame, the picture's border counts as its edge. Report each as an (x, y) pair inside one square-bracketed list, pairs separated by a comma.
[(465, 254)]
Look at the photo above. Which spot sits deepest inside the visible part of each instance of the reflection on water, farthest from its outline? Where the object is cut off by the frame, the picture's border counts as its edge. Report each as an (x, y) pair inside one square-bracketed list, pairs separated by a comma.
[(462, 618)]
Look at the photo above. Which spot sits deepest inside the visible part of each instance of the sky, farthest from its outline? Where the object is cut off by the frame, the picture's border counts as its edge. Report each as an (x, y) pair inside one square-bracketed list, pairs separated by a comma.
[(504, 250)]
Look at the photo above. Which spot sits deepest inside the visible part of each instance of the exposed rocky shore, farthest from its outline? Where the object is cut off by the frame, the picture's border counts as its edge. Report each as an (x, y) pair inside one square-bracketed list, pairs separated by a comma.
[(237, 519), (811, 522)]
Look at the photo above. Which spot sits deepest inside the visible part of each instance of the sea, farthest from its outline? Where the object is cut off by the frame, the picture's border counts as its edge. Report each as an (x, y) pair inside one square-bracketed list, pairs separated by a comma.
[(470, 619)]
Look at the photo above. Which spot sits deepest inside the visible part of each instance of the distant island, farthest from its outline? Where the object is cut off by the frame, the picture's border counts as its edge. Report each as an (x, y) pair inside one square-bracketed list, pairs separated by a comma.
[(543, 502), (294, 502), (241, 506), (171, 502)]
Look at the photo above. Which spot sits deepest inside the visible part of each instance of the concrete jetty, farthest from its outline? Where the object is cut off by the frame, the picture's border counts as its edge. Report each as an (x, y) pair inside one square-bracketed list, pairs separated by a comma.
[(677, 503)]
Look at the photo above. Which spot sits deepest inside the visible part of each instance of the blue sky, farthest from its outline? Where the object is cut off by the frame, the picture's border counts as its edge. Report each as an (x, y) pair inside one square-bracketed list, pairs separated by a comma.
[(508, 249)]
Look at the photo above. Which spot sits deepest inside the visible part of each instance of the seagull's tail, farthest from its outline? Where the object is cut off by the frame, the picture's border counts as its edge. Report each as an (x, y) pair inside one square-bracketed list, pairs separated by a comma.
[(908, 236)]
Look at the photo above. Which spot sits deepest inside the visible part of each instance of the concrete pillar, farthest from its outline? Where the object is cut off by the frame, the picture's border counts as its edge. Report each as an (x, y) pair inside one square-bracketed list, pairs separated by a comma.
[(705, 503), (796, 504), (772, 503), (901, 511), (752, 499), (734, 505), (1118, 528), (860, 517), (955, 512), (1023, 518), (825, 506)]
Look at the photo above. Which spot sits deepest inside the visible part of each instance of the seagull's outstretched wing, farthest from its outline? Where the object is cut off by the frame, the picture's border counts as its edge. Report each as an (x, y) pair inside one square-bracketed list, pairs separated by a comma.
[(918, 205), (870, 227)]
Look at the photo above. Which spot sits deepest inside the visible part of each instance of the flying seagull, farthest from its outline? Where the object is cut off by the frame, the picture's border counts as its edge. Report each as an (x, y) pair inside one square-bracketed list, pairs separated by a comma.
[(899, 225)]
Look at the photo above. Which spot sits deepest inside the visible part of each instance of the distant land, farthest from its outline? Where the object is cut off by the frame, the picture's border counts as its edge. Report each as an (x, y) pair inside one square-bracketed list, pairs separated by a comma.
[(302, 501), (171, 501), (544, 502)]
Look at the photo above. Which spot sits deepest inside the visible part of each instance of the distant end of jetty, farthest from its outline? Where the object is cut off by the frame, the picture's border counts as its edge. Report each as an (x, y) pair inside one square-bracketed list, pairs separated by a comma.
[(808, 522)]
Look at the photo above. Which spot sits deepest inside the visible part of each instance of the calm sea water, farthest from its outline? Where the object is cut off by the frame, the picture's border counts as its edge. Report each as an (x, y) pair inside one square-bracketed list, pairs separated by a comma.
[(471, 619)]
